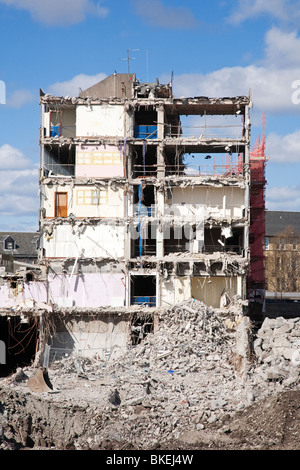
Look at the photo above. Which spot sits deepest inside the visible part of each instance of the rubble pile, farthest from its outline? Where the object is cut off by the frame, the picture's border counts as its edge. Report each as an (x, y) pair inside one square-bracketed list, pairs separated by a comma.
[(171, 389), (188, 335), (277, 349)]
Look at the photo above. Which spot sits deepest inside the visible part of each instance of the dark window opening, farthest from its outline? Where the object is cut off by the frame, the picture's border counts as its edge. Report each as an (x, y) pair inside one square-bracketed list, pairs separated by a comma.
[(20, 338), (143, 290), (145, 264), (173, 125), (140, 327), (177, 240), (29, 277), (13, 284), (199, 268), (174, 162), (167, 269), (145, 243), (145, 123), (9, 244), (144, 200), (183, 269), (214, 240), (180, 239), (144, 161), (59, 160), (216, 268)]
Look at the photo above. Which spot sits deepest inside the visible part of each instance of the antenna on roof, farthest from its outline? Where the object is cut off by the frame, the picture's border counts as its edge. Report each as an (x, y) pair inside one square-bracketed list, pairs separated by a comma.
[(147, 63), (129, 58)]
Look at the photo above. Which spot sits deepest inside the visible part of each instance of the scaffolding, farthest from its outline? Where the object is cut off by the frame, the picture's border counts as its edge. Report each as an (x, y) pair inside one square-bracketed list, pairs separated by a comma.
[(256, 280)]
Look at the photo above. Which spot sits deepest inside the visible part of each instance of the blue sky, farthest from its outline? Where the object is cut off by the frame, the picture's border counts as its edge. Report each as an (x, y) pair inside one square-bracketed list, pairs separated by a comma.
[(213, 48)]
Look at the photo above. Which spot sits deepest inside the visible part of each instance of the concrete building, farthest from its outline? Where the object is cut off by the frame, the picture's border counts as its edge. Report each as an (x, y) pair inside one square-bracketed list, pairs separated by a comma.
[(282, 242), (144, 202), (21, 247)]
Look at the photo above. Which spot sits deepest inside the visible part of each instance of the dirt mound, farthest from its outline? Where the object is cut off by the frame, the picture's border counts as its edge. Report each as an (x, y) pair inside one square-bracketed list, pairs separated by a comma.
[(273, 423)]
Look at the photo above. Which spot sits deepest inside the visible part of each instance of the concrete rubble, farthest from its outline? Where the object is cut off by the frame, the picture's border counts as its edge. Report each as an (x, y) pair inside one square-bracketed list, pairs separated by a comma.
[(197, 370), (277, 348)]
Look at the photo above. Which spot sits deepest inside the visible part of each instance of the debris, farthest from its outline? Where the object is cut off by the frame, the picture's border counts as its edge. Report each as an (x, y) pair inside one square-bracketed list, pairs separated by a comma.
[(197, 387), (40, 381), (114, 398)]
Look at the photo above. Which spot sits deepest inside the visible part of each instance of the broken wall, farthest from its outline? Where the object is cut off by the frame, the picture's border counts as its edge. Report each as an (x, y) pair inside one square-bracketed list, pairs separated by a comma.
[(207, 289), (219, 202), (175, 289), (210, 290), (105, 338)]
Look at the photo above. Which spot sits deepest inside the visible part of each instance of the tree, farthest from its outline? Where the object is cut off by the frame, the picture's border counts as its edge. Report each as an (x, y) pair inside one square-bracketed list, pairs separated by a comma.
[(282, 262)]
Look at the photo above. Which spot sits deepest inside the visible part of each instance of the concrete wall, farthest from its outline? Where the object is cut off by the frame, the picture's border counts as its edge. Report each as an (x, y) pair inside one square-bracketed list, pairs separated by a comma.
[(104, 338), (86, 200), (99, 161), (82, 290), (88, 290), (69, 123), (207, 289), (99, 241), (210, 289), (213, 201), (175, 289), (100, 120)]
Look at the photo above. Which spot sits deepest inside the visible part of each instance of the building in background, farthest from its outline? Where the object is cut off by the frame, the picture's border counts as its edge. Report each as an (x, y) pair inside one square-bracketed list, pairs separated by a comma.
[(282, 244), (17, 250)]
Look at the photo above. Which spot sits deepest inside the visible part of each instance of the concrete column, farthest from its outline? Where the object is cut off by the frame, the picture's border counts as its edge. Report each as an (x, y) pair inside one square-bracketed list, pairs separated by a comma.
[(247, 182), (160, 122), (160, 203), (160, 162)]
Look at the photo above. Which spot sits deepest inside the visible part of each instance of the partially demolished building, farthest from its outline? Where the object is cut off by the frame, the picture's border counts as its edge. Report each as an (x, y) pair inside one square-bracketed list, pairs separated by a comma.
[(144, 202)]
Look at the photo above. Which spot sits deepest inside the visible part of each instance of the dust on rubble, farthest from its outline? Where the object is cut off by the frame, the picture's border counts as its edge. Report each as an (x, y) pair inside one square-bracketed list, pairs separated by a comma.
[(186, 386)]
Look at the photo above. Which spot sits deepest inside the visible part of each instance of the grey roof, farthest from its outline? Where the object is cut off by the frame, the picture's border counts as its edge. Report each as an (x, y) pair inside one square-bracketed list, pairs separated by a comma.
[(278, 221), (26, 243)]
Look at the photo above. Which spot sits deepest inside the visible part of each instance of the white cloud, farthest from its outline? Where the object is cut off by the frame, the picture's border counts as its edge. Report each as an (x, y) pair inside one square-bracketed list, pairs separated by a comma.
[(12, 159), (285, 11), (73, 86), (270, 81), (283, 197), (157, 14), (19, 183), (19, 98), (16, 205), (282, 49), (283, 148), (59, 12), (271, 88)]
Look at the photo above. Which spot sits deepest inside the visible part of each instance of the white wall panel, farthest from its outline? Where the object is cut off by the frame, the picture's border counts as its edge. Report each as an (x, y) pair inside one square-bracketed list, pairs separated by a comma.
[(100, 120)]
